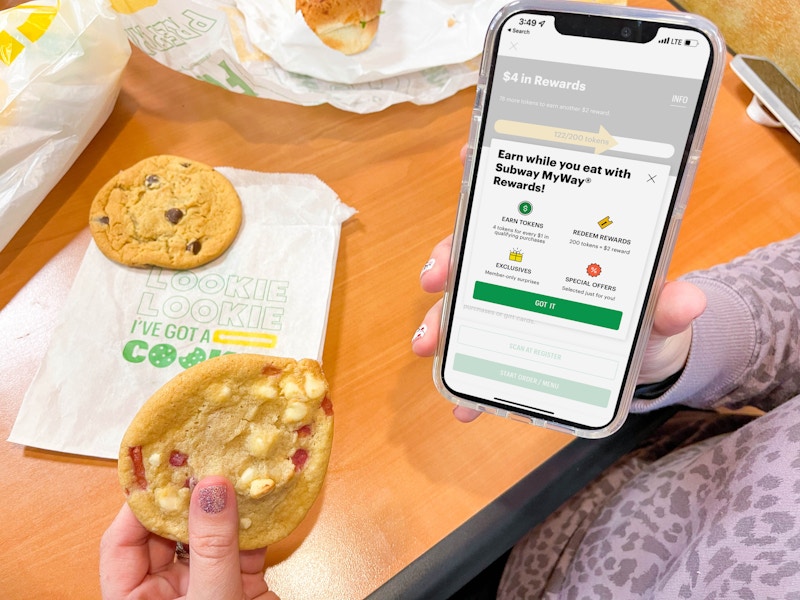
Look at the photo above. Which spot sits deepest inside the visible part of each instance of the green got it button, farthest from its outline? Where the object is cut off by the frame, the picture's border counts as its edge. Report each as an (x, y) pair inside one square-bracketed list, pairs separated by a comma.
[(548, 305)]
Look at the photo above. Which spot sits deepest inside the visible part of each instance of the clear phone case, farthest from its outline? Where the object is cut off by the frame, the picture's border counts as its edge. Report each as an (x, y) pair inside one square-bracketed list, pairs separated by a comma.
[(717, 62)]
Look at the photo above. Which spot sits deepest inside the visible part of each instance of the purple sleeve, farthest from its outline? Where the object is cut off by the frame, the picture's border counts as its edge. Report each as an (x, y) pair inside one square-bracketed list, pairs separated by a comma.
[(746, 345)]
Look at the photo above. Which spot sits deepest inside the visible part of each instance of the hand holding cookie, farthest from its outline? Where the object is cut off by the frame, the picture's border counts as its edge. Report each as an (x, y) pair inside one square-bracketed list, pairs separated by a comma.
[(135, 562), (227, 458), (263, 422)]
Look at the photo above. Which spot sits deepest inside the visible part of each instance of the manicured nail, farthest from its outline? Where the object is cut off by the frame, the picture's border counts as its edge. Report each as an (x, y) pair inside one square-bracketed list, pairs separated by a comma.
[(212, 498), (419, 333), (427, 266)]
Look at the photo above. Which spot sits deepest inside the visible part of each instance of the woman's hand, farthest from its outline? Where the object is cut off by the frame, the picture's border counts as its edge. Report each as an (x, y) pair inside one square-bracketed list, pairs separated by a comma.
[(433, 278), (135, 563)]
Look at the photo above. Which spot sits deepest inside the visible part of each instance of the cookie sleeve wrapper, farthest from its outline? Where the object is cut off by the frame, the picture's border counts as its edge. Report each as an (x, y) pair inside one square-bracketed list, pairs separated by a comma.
[(124, 332)]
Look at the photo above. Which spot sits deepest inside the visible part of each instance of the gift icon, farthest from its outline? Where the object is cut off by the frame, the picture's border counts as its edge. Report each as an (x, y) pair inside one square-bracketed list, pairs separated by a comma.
[(515, 255)]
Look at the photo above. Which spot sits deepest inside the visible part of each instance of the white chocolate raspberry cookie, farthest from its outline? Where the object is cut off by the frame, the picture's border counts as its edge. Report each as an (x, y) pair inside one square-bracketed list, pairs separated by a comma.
[(265, 423)]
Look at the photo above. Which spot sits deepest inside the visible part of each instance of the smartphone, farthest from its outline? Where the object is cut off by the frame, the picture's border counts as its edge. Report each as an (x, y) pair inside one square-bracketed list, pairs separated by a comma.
[(772, 90), (585, 136)]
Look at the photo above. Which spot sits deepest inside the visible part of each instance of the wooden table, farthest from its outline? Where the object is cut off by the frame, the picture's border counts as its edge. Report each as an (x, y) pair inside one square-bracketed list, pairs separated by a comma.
[(404, 475)]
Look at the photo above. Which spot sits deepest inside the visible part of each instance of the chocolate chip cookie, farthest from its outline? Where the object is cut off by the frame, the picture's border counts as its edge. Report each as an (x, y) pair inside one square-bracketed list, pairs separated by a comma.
[(165, 211), (263, 422)]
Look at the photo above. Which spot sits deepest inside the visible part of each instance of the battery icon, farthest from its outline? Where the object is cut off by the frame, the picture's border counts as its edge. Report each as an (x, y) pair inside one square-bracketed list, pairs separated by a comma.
[(690, 42)]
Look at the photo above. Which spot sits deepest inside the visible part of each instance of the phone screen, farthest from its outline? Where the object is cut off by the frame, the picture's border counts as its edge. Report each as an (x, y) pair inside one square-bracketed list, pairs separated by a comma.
[(585, 130)]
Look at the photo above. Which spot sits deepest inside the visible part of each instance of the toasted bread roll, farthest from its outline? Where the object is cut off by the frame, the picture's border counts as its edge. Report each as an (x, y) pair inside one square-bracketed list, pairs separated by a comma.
[(345, 25)]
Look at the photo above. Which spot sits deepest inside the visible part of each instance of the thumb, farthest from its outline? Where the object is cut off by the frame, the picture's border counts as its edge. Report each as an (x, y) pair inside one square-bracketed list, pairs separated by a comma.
[(679, 304), (215, 571)]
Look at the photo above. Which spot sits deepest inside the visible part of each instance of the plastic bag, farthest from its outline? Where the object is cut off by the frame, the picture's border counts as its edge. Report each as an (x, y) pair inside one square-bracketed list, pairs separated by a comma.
[(60, 68)]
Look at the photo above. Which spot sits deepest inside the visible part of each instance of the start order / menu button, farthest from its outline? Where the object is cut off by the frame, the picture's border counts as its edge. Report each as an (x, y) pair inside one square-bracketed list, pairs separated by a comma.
[(532, 380), (548, 305)]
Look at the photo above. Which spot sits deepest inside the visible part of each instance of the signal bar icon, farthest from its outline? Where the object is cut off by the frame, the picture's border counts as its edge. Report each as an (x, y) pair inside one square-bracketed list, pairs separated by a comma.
[(678, 41)]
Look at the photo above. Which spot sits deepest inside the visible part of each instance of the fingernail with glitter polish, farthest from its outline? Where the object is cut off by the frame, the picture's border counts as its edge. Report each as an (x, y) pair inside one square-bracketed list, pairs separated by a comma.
[(419, 333), (213, 498), (427, 267)]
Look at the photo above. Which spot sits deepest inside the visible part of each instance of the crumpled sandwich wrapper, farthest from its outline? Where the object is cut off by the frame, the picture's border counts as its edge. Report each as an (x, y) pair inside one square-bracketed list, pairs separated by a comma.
[(424, 50)]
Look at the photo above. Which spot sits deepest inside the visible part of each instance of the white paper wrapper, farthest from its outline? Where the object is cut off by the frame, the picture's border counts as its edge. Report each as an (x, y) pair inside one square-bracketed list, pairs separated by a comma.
[(413, 35), (231, 43), (125, 332)]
